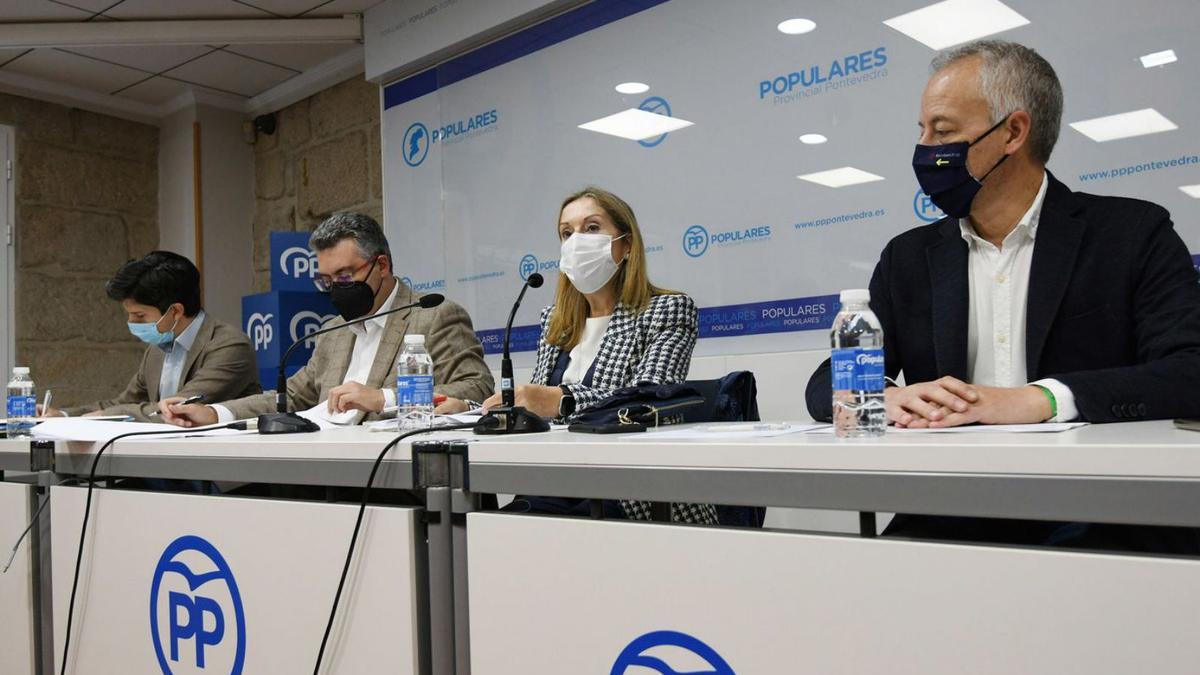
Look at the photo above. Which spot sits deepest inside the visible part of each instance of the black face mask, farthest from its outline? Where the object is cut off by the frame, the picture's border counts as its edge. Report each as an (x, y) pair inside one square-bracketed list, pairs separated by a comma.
[(942, 172), (356, 299)]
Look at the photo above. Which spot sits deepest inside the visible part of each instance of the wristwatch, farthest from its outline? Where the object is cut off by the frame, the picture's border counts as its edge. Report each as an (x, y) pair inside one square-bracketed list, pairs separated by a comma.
[(566, 404)]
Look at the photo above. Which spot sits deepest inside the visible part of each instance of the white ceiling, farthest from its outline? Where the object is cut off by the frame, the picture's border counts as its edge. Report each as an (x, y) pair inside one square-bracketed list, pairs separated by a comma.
[(156, 75)]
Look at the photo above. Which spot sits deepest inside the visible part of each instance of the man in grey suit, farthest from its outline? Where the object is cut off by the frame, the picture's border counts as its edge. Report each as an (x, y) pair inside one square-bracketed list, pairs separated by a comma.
[(188, 352), (355, 369)]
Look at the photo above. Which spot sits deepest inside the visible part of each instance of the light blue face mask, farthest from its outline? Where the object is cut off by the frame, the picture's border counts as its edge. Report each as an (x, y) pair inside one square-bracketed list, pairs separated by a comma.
[(148, 333)]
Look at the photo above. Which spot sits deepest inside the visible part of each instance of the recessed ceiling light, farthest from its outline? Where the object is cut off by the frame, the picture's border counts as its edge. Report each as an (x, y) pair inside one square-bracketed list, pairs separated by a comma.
[(836, 178), (951, 22), (1159, 58), (635, 124), (1124, 125), (812, 139), (1191, 190), (796, 26), (633, 88)]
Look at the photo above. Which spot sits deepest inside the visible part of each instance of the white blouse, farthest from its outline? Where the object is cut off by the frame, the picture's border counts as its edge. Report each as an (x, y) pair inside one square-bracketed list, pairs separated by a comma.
[(584, 353)]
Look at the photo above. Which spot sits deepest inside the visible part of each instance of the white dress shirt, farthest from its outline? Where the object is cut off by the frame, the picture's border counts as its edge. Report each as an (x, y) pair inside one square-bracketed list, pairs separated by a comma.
[(176, 357), (584, 353), (367, 334), (999, 294)]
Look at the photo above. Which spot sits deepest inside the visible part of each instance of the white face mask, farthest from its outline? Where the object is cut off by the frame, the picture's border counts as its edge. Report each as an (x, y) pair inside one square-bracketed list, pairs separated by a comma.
[(587, 260)]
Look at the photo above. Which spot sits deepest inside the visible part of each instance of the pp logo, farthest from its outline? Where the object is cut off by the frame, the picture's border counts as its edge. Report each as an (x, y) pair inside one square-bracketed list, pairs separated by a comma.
[(416, 144), (695, 241), (527, 266), (305, 324), (659, 106), (196, 616), (925, 209), (259, 329), (670, 653), (298, 263)]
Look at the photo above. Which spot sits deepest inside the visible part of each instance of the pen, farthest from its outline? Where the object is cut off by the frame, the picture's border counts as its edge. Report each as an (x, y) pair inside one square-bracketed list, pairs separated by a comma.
[(46, 403), (187, 401)]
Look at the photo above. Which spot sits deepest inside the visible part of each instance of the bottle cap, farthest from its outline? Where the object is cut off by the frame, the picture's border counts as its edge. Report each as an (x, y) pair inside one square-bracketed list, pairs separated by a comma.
[(856, 295), (414, 339), (20, 370)]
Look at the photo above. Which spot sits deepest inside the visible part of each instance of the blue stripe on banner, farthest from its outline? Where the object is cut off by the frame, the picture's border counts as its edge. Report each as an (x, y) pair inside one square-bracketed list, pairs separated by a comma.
[(523, 43), (755, 318), (409, 88), (773, 316), (524, 339)]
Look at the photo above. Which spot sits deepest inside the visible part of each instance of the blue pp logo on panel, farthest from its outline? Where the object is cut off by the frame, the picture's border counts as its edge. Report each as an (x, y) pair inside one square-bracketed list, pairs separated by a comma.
[(659, 106), (298, 263), (695, 241), (925, 209), (196, 615), (416, 144), (652, 651), (258, 328), (305, 323), (527, 266)]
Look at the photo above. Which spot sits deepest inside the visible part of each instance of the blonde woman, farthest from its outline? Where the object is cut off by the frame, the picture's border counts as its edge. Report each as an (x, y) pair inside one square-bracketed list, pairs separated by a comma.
[(608, 328)]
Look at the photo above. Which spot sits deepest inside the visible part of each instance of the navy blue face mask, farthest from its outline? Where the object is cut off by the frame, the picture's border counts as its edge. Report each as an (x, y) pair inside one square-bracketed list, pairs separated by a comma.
[(942, 172)]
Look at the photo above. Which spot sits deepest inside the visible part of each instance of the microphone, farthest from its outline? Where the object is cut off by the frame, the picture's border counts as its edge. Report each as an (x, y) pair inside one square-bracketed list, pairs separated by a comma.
[(511, 419), (283, 422)]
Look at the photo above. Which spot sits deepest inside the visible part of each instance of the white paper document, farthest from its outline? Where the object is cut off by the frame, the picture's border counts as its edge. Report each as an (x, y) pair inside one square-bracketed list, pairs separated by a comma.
[(733, 431), (1043, 428), (84, 429), (390, 425), (319, 415)]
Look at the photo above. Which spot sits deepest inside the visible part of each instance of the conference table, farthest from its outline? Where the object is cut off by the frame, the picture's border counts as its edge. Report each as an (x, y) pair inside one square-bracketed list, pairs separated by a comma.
[(580, 595), (238, 582), (443, 586)]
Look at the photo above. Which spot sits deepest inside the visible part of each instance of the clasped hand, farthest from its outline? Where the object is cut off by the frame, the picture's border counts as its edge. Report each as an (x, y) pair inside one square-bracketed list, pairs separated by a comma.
[(950, 402)]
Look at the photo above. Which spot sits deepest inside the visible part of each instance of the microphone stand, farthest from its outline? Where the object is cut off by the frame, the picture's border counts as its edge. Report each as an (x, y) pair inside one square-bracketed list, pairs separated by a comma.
[(511, 418), (283, 422)]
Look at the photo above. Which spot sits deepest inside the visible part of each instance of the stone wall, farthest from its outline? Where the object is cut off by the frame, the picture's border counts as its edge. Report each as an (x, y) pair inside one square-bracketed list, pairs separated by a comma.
[(86, 201), (323, 157)]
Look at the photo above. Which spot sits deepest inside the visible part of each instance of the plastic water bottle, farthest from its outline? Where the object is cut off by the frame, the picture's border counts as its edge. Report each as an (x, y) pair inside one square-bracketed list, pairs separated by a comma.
[(857, 368), (22, 404), (414, 385)]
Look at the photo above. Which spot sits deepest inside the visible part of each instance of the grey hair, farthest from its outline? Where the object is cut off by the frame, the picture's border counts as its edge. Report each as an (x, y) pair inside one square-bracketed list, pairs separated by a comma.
[(348, 225), (1014, 77)]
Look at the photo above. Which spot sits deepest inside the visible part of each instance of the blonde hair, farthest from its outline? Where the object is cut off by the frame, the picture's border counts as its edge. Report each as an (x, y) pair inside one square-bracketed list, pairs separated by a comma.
[(634, 287)]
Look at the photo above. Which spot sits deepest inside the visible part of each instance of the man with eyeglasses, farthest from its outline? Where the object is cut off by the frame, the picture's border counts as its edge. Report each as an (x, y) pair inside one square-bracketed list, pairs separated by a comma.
[(355, 369)]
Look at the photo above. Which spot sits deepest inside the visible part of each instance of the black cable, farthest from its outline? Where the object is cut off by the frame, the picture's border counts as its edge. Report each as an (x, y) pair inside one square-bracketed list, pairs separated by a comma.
[(32, 521), (87, 509), (362, 506)]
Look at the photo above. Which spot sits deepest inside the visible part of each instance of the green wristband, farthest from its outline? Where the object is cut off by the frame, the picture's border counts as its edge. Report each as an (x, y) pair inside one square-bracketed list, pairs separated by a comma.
[(1050, 397)]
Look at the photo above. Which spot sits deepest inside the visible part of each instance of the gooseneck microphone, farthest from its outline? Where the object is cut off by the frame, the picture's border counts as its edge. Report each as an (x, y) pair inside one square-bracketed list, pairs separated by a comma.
[(512, 419), (283, 422)]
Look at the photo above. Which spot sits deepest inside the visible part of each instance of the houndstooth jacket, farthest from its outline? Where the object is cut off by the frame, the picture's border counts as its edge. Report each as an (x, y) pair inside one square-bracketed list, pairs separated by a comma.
[(649, 347)]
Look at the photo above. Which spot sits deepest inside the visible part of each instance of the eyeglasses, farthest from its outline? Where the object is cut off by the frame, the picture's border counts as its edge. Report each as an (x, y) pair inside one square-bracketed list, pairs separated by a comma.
[(325, 283)]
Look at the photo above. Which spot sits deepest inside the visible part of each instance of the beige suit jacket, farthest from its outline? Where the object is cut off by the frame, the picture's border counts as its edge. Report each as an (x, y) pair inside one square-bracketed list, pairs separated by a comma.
[(220, 365), (458, 367)]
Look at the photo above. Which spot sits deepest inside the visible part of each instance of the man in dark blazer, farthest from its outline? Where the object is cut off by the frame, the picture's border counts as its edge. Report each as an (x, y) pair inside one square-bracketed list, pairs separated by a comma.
[(1028, 302)]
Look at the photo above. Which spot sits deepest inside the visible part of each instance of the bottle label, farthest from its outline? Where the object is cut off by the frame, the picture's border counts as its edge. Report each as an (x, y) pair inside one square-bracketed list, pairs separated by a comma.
[(21, 406), (414, 390), (857, 369)]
